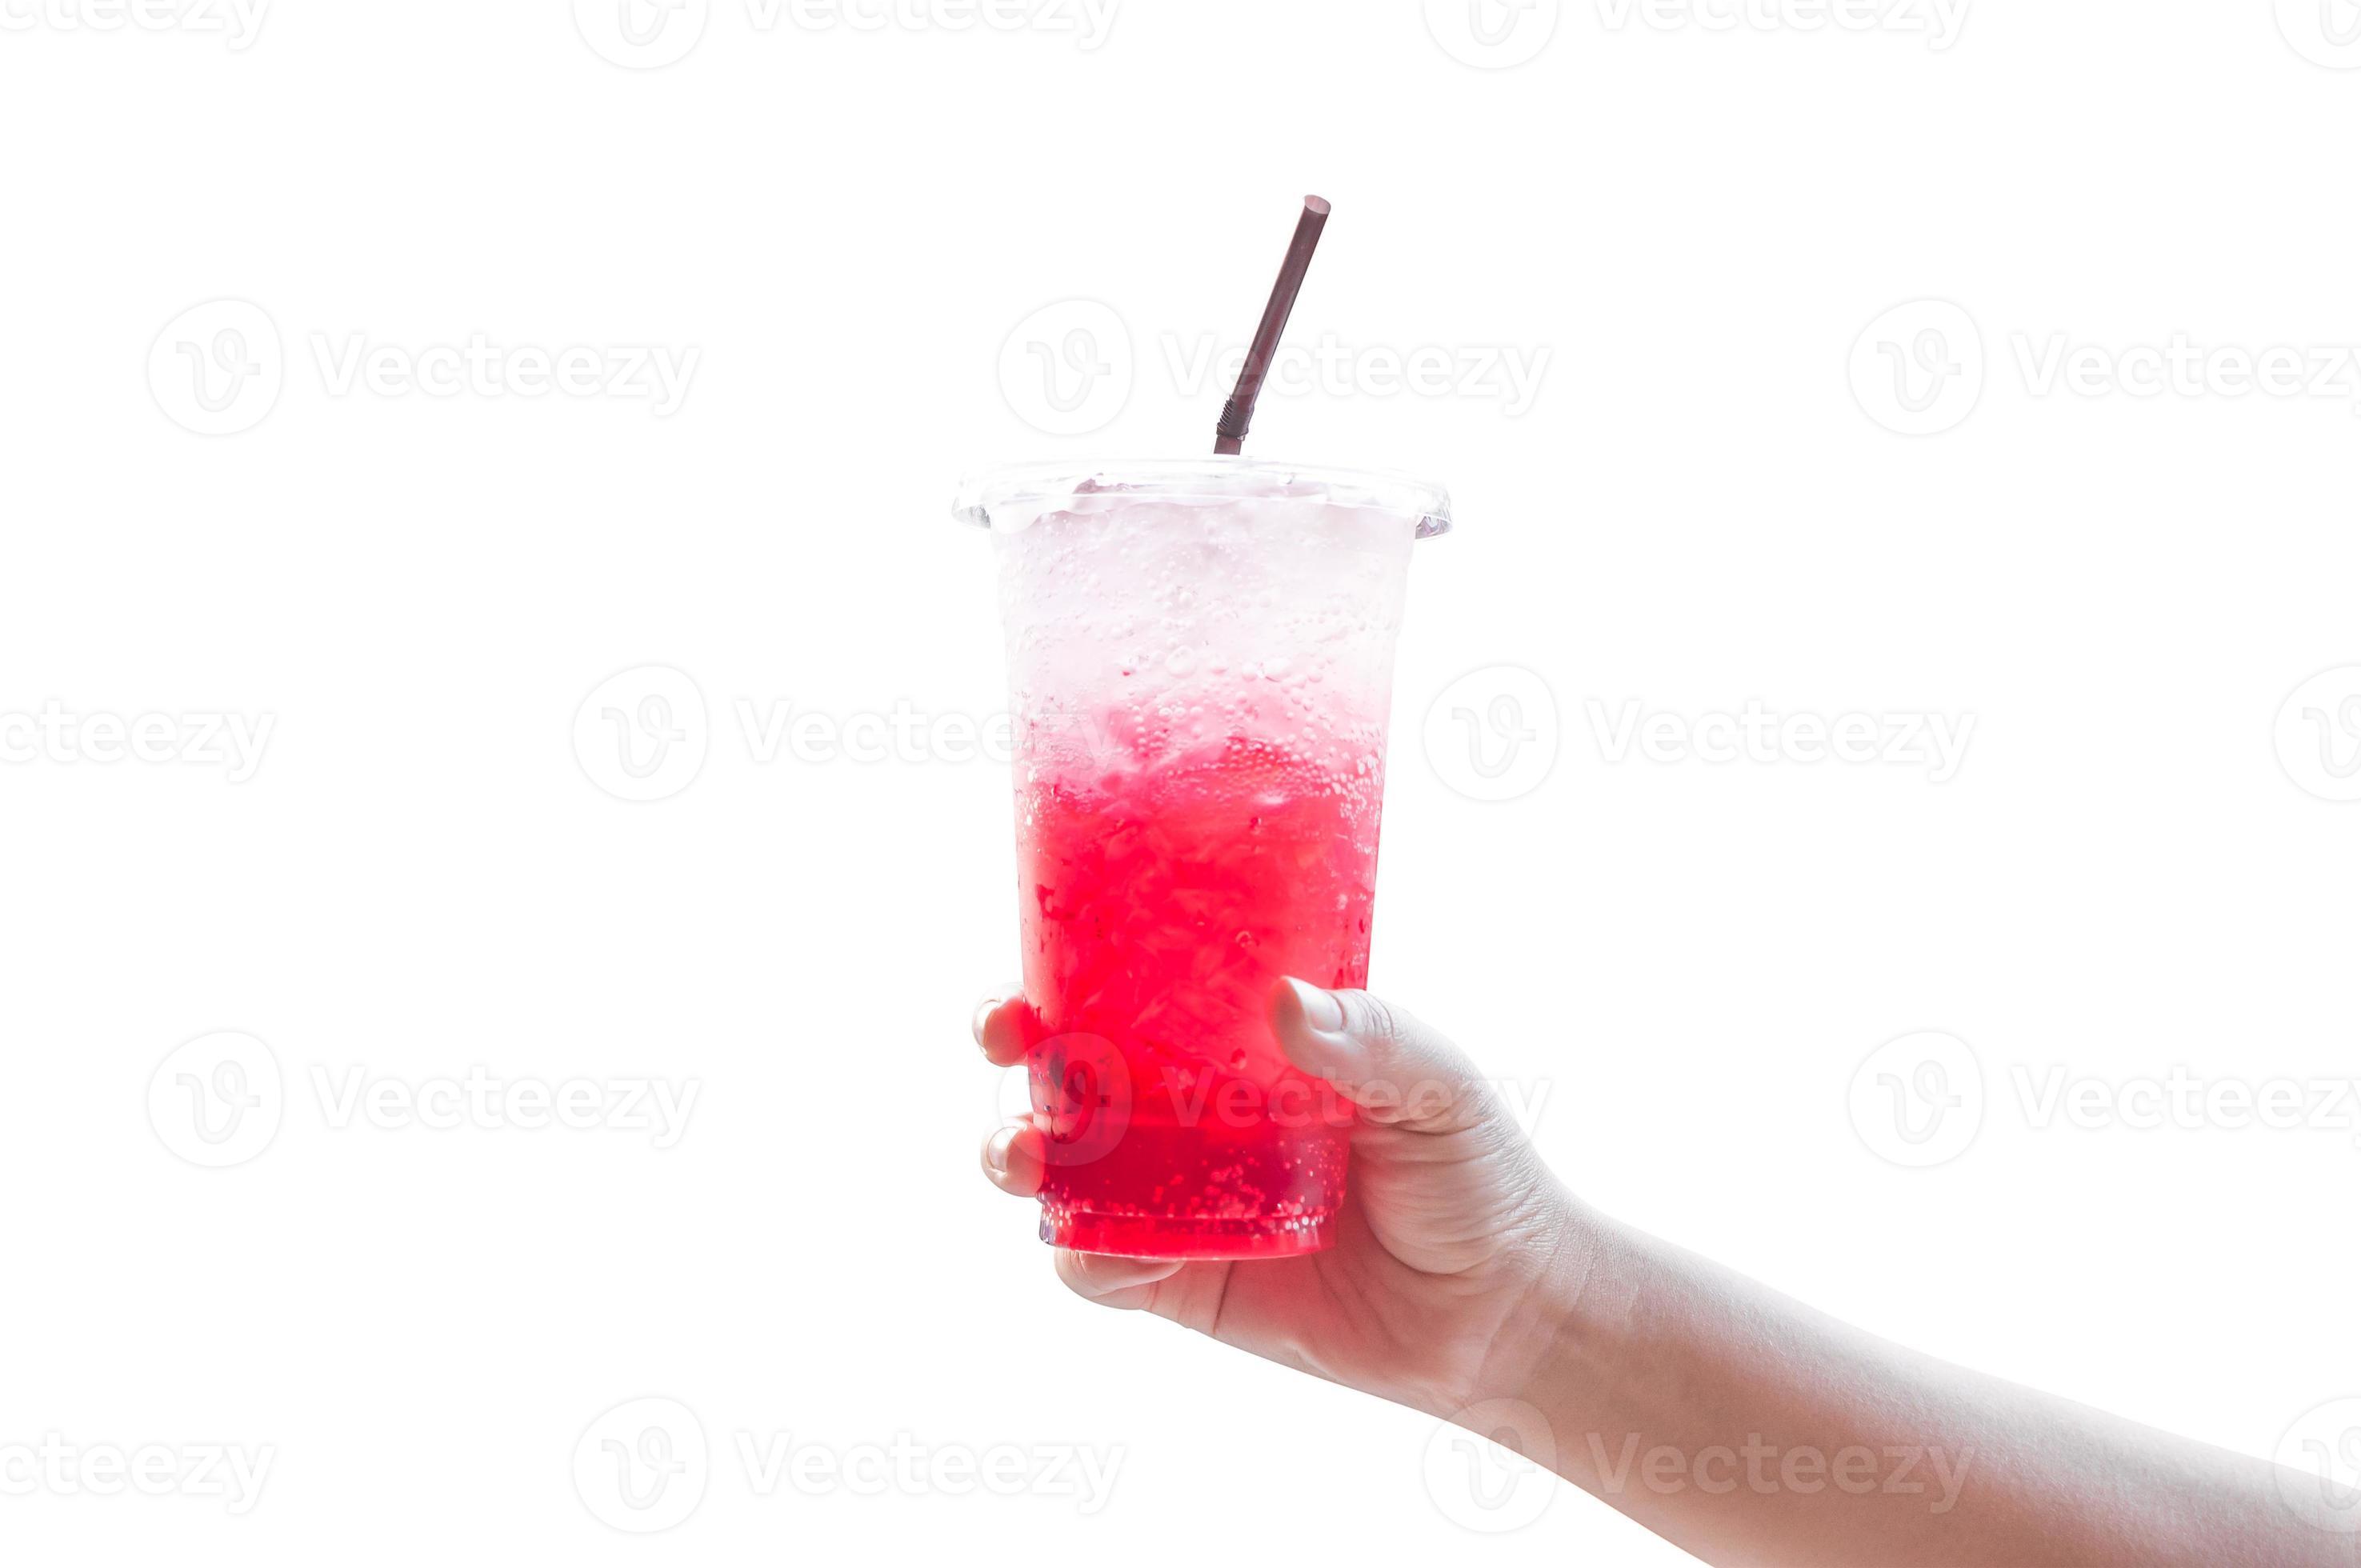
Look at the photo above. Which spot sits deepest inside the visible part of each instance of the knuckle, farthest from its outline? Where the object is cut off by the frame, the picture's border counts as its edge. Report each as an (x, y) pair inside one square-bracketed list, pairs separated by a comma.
[(1372, 1019)]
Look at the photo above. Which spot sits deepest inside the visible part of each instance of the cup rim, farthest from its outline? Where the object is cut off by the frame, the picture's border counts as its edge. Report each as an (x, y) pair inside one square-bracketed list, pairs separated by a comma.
[(1022, 485)]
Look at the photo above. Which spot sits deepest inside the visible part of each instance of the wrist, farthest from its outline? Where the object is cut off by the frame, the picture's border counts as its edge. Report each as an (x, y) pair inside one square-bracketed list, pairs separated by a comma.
[(1561, 1329)]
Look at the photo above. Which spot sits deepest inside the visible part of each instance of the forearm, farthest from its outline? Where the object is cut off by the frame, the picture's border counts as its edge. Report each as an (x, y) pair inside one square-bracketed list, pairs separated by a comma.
[(1751, 1430)]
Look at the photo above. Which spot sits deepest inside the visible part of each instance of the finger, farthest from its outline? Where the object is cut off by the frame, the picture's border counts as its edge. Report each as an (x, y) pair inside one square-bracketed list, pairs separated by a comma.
[(1005, 1027), (1014, 1160), (1399, 1071), (1124, 1283)]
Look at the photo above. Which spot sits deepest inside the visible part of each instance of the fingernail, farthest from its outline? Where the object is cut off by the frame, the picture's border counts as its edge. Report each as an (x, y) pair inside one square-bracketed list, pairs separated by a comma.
[(995, 1152), (1322, 1010), (983, 1011)]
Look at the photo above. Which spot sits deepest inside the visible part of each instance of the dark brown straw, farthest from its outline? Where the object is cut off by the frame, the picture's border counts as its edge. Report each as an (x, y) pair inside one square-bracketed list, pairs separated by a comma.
[(1230, 435)]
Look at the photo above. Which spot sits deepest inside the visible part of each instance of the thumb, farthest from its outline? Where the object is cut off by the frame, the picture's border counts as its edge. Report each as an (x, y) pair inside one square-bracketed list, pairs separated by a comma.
[(1399, 1073)]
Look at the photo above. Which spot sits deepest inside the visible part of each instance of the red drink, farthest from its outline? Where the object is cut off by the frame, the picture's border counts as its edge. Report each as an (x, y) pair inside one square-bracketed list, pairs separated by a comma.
[(1201, 659), (1161, 900)]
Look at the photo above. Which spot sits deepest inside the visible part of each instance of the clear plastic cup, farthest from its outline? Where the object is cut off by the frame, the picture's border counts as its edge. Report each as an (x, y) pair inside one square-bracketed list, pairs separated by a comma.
[(1201, 666)]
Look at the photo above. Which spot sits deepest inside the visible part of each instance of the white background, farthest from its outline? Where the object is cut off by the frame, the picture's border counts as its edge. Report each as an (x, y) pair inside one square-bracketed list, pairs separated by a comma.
[(1699, 508)]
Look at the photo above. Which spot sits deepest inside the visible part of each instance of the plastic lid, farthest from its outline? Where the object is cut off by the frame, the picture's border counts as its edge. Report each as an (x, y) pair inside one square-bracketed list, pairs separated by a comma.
[(1013, 497)]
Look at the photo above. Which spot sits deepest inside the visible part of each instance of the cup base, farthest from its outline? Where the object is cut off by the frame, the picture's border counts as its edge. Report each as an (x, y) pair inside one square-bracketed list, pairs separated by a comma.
[(1198, 1241)]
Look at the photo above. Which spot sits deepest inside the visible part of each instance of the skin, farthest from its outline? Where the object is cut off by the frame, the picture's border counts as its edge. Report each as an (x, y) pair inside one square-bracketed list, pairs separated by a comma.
[(1744, 1427)]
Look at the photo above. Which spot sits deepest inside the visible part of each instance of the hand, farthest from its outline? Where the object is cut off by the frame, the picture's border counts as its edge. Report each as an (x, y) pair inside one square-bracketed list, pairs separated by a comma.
[(1452, 1235), (1464, 1275)]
